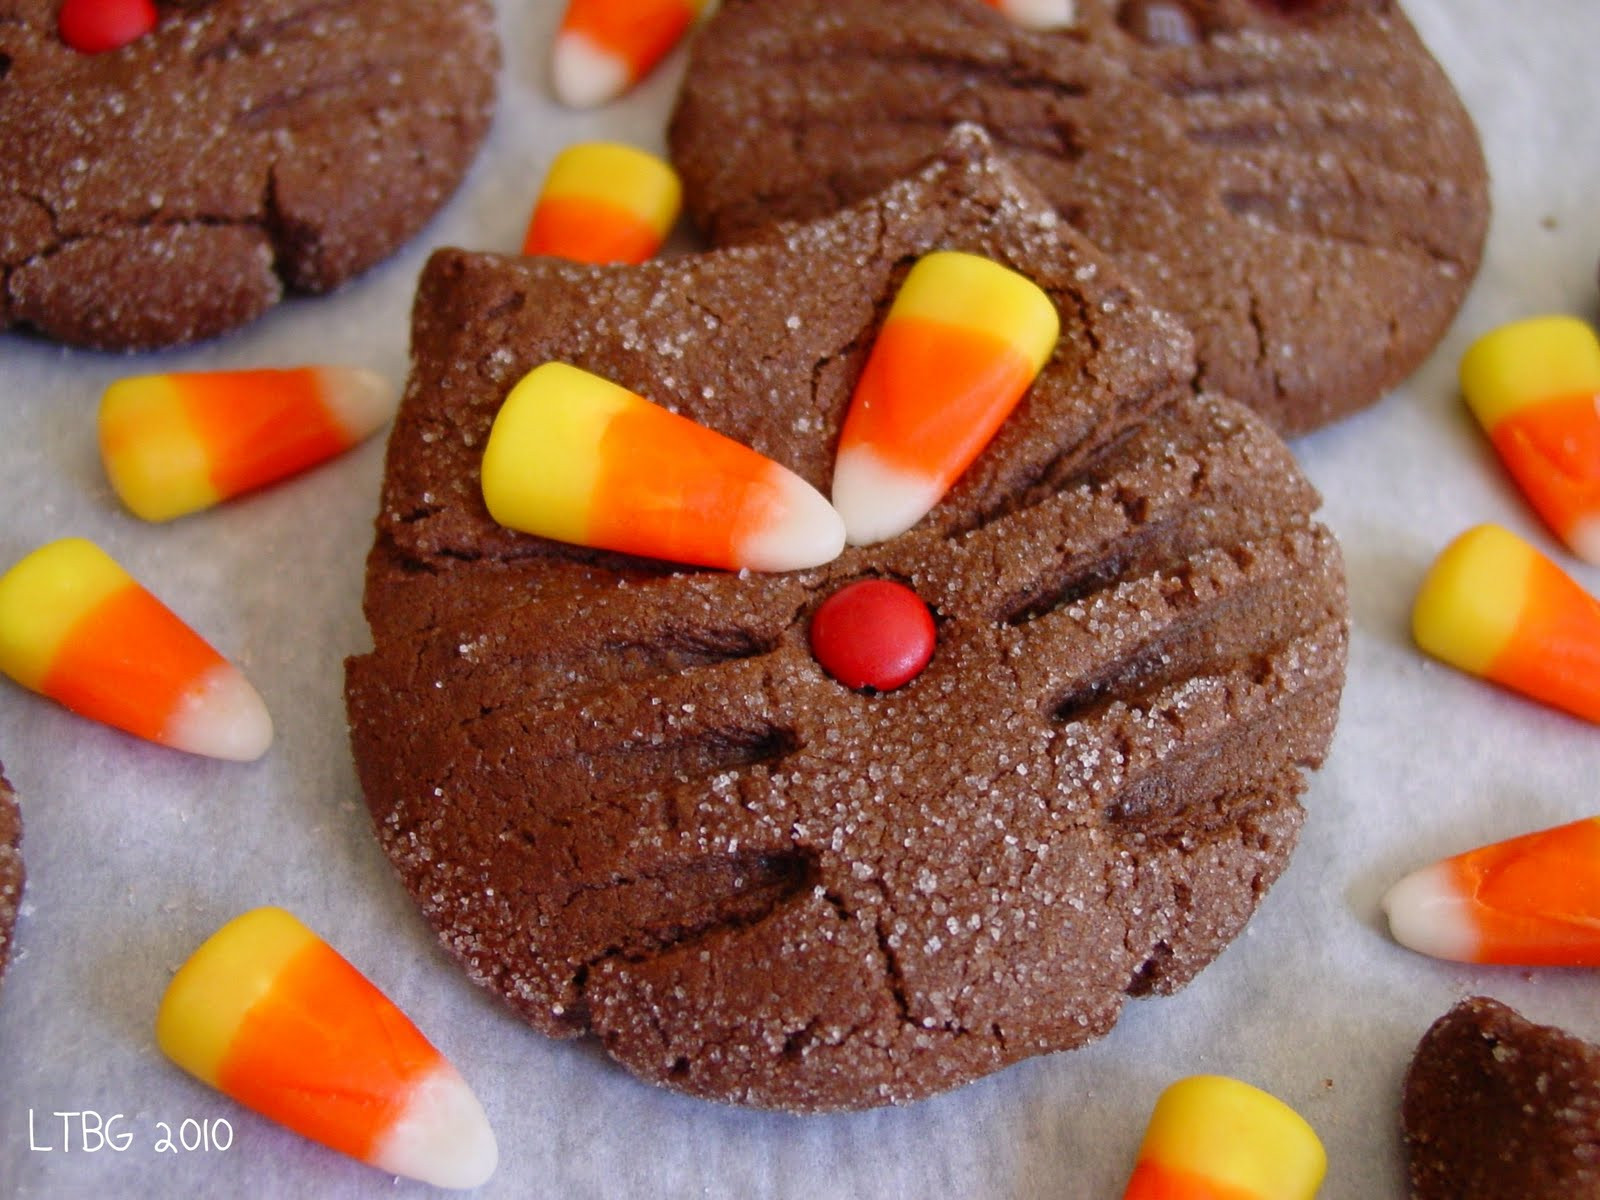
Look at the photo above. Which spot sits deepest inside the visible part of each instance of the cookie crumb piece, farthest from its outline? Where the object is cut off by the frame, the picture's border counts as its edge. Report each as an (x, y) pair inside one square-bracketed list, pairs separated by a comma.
[(1495, 1106)]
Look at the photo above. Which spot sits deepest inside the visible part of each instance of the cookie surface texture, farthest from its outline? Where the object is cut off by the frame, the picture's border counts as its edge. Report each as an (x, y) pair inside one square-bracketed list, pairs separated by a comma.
[(1497, 1106), (1298, 183), (176, 187), (11, 873), (631, 800)]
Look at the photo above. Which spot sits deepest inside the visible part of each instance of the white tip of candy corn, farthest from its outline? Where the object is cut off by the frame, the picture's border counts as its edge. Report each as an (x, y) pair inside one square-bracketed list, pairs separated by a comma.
[(361, 401), (222, 716), (442, 1137), (1583, 539), (1427, 913), (877, 501), (584, 75), (1041, 14), (805, 531)]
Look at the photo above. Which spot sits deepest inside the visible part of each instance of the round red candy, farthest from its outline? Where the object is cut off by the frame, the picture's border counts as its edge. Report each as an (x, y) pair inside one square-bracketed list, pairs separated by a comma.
[(95, 26), (873, 633)]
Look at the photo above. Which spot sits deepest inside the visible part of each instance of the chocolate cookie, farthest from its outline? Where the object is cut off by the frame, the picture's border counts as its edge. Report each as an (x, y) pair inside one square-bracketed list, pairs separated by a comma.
[(11, 873), (633, 803), (1298, 182), (172, 189), (1497, 1107)]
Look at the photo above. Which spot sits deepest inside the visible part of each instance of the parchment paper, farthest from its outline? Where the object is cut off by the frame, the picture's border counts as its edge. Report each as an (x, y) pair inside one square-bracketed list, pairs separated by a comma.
[(136, 853)]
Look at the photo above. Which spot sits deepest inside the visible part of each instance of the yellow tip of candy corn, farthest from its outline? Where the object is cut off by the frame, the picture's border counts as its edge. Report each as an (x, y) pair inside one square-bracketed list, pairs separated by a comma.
[(177, 443), (1494, 606), (1527, 362), (1210, 1136), (1532, 900), (268, 1013), (575, 457), (76, 627), (603, 202), (1472, 598), (961, 344)]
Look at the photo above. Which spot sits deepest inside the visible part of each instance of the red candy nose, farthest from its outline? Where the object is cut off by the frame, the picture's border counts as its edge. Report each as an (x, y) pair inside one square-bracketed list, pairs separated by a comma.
[(873, 633), (94, 26)]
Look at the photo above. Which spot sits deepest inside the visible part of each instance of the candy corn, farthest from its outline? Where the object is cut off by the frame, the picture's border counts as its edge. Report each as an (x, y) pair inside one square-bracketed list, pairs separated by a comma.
[(961, 344), (174, 444), (1039, 14), (1535, 388), (577, 458), (1494, 606), (270, 1014), (604, 203), (604, 47), (1214, 1138), (76, 627), (1530, 901)]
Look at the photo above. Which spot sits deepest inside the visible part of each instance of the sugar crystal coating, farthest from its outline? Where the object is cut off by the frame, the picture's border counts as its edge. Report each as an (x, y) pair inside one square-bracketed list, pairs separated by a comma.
[(175, 188), (1298, 183), (633, 803)]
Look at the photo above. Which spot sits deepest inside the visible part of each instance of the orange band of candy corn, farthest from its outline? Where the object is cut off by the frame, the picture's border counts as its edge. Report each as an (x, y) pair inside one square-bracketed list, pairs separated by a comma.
[(602, 202), (76, 627), (589, 231), (917, 357), (1153, 1181), (1553, 452), (268, 1013)]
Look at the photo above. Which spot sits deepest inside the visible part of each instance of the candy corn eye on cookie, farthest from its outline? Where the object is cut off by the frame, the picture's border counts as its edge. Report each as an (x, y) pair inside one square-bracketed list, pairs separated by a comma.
[(171, 179), (1298, 183), (781, 849)]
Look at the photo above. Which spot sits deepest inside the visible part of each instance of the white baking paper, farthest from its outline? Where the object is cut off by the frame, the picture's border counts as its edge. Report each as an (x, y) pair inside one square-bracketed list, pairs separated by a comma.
[(136, 853)]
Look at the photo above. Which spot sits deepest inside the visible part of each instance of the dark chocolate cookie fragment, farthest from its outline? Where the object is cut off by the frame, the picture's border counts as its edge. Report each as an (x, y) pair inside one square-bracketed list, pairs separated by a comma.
[(633, 803), (172, 189), (11, 872), (1297, 182), (1497, 1107)]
